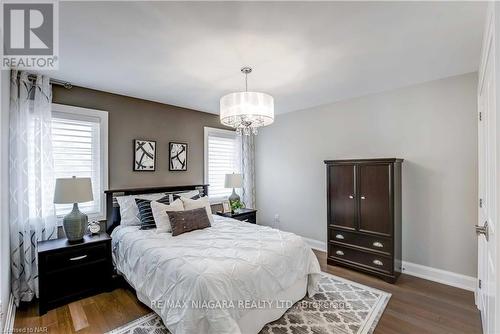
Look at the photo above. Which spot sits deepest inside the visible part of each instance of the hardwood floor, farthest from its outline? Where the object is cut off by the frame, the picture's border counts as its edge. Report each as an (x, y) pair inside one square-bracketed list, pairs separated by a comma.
[(416, 306)]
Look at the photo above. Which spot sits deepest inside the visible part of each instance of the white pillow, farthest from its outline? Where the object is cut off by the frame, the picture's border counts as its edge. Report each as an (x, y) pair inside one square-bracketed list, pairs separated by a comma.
[(190, 204), (129, 211), (186, 194), (160, 214)]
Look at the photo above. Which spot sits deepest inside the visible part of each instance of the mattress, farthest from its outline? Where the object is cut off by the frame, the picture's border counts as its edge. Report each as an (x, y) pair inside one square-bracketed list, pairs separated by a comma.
[(213, 280)]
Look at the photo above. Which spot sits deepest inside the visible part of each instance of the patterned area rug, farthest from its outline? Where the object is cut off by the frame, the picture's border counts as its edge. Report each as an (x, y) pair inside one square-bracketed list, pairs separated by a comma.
[(340, 306)]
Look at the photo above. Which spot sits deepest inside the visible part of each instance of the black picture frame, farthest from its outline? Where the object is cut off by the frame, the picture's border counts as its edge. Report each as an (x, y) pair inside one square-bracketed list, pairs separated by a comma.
[(175, 157), (140, 152)]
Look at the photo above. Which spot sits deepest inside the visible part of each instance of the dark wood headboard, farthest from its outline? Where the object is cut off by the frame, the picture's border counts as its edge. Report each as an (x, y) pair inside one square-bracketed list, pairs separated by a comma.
[(112, 193)]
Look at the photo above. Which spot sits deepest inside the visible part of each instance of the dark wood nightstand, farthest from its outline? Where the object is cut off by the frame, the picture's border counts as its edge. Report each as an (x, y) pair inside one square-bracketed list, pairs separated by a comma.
[(70, 271), (246, 215)]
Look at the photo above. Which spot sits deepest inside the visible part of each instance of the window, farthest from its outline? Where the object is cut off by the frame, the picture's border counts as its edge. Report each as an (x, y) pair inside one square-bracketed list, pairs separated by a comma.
[(221, 158), (80, 145)]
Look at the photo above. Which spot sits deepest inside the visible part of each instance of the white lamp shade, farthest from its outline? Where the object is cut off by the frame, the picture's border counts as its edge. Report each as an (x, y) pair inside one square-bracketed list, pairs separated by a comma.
[(233, 181), (253, 106), (73, 190)]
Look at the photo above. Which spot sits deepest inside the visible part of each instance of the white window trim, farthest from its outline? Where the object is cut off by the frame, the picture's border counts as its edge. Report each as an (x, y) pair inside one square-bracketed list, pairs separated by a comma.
[(206, 131), (103, 117)]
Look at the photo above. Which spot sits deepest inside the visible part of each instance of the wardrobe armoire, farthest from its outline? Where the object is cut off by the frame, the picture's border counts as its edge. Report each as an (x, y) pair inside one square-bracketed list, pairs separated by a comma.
[(364, 215)]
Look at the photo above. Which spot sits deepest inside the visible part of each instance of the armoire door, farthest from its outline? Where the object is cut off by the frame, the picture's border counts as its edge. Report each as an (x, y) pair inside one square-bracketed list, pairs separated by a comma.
[(374, 198), (342, 196)]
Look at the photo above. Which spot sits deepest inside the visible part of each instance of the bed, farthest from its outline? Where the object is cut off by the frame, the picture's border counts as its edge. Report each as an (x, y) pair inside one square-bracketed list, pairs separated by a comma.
[(232, 277)]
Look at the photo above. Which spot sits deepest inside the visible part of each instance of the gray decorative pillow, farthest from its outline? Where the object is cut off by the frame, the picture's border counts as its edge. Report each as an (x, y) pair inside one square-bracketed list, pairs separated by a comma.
[(187, 221)]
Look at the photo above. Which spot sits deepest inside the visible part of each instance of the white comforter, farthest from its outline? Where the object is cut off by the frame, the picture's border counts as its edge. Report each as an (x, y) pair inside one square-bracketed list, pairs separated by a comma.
[(199, 281)]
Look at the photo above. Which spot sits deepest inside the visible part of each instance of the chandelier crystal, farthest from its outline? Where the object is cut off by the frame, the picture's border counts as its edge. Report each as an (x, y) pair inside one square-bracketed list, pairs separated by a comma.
[(246, 111)]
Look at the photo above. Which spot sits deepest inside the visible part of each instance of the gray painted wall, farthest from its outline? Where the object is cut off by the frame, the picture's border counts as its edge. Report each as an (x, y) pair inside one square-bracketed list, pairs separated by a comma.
[(131, 118), (433, 126), (4, 194)]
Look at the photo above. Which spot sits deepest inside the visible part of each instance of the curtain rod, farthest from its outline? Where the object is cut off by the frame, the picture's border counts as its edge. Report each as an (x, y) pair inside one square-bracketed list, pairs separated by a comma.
[(65, 84)]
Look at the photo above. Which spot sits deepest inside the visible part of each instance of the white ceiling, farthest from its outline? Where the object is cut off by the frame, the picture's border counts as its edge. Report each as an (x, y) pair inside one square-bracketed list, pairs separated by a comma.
[(304, 54)]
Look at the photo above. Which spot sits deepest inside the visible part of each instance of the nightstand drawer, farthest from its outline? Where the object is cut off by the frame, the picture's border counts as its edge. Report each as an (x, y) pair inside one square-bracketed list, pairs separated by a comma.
[(75, 257), (76, 281), (249, 218), (245, 215)]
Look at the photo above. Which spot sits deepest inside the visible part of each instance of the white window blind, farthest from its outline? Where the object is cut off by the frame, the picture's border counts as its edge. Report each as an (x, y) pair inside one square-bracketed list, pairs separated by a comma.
[(221, 158), (78, 151)]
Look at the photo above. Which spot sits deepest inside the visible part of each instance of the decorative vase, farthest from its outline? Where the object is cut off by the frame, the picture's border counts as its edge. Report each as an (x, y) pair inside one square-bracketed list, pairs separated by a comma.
[(75, 224), (234, 197)]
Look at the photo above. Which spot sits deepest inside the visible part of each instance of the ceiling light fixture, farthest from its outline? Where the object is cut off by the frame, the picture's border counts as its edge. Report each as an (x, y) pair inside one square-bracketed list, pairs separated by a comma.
[(246, 111)]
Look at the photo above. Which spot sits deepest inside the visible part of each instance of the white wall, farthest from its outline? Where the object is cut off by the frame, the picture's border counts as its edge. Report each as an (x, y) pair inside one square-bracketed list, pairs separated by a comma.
[(4, 192), (433, 126)]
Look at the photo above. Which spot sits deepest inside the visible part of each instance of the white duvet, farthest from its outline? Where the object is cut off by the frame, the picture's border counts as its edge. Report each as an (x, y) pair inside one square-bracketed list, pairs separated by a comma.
[(203, 281)]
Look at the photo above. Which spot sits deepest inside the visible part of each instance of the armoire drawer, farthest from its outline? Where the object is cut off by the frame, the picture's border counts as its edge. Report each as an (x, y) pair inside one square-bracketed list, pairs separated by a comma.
[(374, 261), (375, 243)]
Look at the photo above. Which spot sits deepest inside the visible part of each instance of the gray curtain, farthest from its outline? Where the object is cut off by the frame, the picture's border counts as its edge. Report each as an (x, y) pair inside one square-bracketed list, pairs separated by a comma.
[(31, 179), (247, 163)]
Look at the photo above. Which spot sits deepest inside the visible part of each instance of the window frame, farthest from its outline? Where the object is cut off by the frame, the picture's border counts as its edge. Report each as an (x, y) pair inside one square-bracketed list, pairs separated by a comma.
[(206, 131), (79, 113)]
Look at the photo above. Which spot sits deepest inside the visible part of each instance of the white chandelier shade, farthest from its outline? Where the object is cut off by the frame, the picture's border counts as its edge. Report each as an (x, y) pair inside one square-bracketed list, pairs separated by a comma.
[(247, 110), (259, 106)]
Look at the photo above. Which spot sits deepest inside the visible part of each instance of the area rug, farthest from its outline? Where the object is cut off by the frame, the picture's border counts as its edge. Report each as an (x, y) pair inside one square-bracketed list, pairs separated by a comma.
[(340, 306)]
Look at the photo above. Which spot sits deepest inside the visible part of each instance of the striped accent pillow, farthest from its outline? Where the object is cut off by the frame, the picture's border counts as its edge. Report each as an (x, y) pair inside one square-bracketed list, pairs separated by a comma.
[(145, 213)]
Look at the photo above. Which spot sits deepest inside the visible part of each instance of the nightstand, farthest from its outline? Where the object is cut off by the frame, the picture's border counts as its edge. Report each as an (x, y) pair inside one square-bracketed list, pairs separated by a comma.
[(70, 271), (246, 215)]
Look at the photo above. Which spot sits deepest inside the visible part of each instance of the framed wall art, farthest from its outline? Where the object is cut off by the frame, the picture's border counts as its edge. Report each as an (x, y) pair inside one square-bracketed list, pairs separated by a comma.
[(178, 156), (144, 155)]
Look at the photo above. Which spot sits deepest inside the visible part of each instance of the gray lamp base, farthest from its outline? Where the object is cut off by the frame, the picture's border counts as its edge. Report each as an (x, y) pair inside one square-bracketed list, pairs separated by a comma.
[(75, 224), (234, 197)]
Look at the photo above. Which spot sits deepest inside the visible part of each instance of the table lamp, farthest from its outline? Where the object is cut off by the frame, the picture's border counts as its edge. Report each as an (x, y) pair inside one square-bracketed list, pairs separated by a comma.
[(233, 181), (74, 190)]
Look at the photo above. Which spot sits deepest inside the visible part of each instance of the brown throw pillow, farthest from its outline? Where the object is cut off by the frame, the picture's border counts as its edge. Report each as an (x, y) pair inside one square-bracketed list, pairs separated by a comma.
[(187, 221)]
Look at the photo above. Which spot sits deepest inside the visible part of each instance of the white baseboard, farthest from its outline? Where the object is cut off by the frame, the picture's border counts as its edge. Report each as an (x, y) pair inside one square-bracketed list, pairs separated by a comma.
[(316, 244), (441, 276), (10, 316), (417, 270)]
